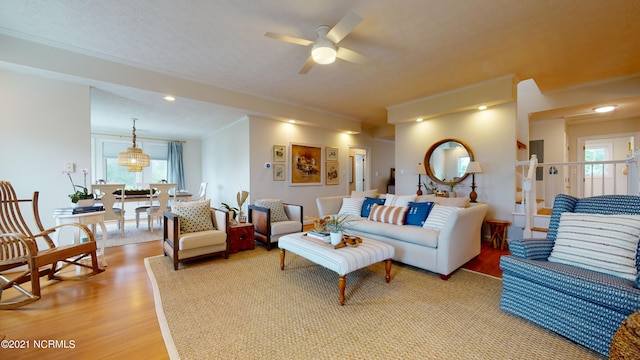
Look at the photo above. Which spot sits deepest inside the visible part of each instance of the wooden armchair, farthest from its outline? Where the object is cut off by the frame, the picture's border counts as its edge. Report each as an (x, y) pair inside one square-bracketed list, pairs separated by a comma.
[(194, 230), (19, 250), (267, 229)]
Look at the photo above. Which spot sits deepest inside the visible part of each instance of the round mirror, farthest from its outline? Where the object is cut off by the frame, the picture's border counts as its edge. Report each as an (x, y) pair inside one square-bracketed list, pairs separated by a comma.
[(446, 161)]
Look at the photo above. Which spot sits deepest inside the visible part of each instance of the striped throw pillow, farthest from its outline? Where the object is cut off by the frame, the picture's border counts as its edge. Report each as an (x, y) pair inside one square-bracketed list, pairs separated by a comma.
[(351, 206), (603, 243), (439, 216), (388, 214)]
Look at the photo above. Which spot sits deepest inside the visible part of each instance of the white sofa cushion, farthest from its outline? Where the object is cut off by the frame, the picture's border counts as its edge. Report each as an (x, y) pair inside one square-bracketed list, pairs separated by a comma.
[(398, 200), (367, 193), (439, 216), (351, 206), (411, 234), (603, 243)]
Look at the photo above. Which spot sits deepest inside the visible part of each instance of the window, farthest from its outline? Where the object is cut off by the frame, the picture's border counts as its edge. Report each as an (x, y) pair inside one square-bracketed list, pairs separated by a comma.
[(111, 172), (597, 152)]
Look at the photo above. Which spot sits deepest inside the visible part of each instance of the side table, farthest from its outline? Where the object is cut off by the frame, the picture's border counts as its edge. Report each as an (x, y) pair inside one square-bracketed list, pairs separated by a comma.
[(241, 237), (91, 218), (498, 229)]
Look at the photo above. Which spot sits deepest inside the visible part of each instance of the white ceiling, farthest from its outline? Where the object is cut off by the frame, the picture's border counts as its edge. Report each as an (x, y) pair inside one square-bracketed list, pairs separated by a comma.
[(417, 48)]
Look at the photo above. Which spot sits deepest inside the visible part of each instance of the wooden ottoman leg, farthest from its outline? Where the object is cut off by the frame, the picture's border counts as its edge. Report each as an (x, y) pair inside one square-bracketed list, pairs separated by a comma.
[(342, 284), (387, 268), (281, 259)]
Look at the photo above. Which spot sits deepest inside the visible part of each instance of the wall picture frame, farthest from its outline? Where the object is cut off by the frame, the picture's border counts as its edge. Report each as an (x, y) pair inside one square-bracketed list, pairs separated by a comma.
[(279, 153), (333, 173), (332, 154), (305, 165), (279, 172)]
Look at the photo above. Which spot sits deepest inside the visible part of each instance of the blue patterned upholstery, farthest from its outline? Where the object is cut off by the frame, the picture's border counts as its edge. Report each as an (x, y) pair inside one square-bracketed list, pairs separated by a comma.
[(582, 305)]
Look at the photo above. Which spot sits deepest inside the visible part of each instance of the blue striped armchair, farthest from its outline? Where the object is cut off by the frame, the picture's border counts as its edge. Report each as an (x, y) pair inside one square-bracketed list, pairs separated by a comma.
[(581, 304)]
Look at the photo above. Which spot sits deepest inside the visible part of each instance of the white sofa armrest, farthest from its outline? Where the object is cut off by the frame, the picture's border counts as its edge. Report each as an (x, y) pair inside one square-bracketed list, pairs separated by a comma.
[(329, 205), (460, 238)]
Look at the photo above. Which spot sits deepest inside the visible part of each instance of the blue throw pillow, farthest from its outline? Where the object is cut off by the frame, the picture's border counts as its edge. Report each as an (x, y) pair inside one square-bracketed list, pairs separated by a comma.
[(418, 212), (368, 204)]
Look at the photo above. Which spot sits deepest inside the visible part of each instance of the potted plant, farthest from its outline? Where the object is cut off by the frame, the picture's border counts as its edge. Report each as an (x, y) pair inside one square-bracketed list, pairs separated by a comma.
[(236, 212), (81, 195), (335, 225), (451, 184), (241, 197)]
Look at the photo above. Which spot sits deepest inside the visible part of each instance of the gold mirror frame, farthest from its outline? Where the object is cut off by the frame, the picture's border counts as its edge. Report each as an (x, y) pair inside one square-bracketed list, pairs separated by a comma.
[(427, 160)]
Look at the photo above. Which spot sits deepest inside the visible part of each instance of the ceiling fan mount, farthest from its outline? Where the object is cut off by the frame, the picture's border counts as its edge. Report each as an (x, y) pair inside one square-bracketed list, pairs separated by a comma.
[(325, 49)]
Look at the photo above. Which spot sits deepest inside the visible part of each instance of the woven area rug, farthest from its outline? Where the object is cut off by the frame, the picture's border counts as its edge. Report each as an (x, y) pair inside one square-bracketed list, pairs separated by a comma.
[(245, 307), (132, 235)]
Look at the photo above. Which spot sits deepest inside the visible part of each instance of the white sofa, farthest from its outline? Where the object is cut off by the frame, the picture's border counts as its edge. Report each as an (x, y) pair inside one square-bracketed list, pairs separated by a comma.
[(441, 251)]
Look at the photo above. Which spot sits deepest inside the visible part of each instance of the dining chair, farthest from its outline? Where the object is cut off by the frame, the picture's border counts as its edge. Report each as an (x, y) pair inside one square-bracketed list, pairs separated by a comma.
[(202, 193), (106, 193), (161, 195)]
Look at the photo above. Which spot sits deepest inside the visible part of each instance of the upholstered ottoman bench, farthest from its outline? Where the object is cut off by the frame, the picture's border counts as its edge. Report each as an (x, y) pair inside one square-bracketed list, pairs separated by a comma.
[(342, 261)]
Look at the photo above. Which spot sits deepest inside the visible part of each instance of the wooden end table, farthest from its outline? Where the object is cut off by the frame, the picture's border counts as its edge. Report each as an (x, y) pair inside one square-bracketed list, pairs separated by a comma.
[(498, 229), (241, 237)]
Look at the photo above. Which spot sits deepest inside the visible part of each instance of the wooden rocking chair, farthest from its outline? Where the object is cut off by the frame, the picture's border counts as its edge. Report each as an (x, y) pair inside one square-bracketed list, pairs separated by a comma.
[(19, 250)]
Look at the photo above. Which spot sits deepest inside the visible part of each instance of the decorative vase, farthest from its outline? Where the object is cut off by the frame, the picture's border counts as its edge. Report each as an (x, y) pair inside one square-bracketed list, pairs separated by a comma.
[(336, 238), (242, 218), (84, 203)]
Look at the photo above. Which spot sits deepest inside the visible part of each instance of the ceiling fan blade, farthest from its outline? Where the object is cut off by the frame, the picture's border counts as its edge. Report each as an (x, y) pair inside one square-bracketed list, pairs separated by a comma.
[(290, 39), (351, 56), (344, 27), (307, 66)]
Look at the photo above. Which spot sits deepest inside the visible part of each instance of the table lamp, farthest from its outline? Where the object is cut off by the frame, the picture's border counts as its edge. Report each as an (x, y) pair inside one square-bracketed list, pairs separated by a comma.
[(473, 168), (420, 170)]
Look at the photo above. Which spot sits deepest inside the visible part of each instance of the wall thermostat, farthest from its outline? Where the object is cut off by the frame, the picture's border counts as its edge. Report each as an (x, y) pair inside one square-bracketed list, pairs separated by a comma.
[(267, 165)]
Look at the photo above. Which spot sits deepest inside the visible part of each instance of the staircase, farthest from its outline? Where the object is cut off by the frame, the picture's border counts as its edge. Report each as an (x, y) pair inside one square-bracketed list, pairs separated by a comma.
[(534, 216)]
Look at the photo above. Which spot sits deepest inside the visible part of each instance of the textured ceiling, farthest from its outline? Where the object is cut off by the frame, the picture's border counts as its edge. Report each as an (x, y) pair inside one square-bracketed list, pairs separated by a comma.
[(417, 48)]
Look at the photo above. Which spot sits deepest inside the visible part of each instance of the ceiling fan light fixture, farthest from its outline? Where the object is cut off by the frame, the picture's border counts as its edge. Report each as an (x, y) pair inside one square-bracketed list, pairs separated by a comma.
[(323, 53)]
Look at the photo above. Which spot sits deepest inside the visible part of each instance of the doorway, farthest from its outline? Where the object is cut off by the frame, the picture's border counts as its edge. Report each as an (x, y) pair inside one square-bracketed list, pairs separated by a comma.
[(603, 179), (360, 168)]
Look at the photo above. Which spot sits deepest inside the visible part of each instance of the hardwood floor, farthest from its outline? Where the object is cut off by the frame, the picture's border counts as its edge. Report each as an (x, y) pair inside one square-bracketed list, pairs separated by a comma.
[(112, 315)]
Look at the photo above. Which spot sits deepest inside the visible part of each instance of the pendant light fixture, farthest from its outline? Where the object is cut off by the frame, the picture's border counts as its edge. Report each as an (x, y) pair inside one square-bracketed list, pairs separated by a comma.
[(134, 159)]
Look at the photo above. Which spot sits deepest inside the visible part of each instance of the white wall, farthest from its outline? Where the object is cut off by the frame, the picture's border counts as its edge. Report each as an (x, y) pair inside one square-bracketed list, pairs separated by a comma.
[(491, 136), (45, 123), (235, 158), (225, 163), (553, 133)]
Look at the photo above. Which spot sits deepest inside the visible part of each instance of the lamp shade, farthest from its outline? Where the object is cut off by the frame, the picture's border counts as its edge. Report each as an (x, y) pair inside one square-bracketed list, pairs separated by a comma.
[(134, 159), (420, 170), (474, 168)]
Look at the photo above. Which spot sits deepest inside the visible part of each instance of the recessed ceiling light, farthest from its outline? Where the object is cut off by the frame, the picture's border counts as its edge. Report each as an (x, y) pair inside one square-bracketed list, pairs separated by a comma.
[(169, 98), (604, 109), (292, 121), (419, 119), (482, 107)]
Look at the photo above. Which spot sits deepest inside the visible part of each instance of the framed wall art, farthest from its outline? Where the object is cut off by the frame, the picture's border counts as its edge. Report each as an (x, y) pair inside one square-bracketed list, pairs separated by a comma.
[(332, 154), (279, 172), (306, 165), (279, 153), (333, 168)]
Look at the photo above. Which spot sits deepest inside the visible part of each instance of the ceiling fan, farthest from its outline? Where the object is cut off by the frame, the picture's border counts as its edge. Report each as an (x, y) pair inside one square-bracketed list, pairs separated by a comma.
[(325, 48)]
